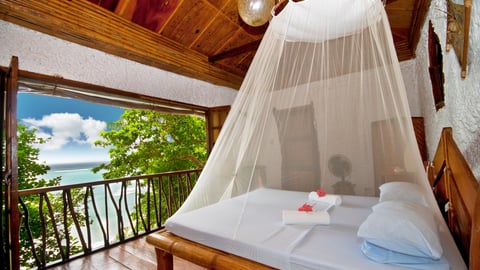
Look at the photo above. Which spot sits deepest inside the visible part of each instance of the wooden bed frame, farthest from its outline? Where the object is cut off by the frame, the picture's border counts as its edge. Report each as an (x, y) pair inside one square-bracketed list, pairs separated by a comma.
[(452, 182), (457, 192)]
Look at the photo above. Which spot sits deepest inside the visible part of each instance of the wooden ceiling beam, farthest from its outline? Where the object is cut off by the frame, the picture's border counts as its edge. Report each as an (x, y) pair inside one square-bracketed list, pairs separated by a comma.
[(84, 23), (252, 46)]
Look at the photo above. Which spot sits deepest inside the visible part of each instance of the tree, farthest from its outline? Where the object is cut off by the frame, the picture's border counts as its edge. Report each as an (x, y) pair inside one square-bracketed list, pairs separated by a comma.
[(29, 176), (146, 142), (29, 169)]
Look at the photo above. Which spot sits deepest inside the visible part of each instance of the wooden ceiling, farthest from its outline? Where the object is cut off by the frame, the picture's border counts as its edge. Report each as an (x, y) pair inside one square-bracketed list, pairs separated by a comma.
[(203, 39)]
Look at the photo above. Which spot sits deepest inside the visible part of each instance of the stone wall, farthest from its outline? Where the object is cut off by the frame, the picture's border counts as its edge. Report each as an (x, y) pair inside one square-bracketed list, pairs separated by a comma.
[(462, 96)]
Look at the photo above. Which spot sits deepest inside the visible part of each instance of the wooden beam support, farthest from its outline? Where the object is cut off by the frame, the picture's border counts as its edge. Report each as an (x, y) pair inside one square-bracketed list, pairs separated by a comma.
[(82, 22), (252, 46)]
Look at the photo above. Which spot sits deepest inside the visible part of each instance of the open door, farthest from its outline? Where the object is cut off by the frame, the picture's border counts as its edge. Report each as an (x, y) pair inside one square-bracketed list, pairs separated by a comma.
[(10, 221), (215, 117), (297, 133)]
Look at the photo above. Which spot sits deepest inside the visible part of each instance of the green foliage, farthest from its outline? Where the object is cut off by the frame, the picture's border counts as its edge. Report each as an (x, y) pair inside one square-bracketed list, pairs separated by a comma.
[(146, 142), (29, 169), (36, 209)]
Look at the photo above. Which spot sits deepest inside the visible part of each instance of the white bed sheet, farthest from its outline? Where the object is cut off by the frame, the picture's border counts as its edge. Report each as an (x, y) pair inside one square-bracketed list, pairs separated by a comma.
[(262, 237)]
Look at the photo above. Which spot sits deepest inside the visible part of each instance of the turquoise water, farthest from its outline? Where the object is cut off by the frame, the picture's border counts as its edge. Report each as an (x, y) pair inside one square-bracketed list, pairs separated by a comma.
[(82, 173), (74, 173)]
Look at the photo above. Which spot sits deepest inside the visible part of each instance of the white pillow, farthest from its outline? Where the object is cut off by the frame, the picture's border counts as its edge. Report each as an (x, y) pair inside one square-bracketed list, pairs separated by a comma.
[(402, 191), (387, 256), (403, 227)]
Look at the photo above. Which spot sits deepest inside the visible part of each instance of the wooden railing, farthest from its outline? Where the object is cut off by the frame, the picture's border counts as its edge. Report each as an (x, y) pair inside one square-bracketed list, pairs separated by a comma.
[(64, 222)]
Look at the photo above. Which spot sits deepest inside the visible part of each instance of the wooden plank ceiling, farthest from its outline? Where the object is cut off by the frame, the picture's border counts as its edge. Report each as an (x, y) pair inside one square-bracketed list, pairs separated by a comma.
[(203, 39)]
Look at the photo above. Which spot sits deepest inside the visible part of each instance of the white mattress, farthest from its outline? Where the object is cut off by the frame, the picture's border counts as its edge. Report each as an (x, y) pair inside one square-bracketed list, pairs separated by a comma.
[(253, 229)]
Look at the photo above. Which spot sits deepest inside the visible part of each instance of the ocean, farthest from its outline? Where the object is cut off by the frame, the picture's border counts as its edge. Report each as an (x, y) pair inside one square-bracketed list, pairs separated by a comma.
[(76, 173)]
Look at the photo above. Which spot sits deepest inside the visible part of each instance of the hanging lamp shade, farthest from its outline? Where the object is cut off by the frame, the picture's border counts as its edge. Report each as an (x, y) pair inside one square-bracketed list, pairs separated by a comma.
[(255, 12)]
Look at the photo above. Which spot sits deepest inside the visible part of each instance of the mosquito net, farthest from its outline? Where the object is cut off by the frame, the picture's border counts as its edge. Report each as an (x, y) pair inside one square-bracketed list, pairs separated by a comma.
[(323, 105)]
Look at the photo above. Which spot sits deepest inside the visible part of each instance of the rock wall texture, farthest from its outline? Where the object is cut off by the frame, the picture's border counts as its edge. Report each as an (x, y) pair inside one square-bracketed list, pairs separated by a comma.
[(462, 96)]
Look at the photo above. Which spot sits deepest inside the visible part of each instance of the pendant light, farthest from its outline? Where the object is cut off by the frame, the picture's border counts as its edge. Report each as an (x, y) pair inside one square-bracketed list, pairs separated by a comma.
[(255, 12)]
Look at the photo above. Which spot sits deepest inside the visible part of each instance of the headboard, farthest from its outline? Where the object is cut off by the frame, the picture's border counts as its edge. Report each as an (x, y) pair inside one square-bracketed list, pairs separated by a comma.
[(457, 193)]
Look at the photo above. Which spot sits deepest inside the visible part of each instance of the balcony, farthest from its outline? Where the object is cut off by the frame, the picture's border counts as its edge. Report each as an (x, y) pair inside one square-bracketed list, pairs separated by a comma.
[(99, 224), (135, 254)]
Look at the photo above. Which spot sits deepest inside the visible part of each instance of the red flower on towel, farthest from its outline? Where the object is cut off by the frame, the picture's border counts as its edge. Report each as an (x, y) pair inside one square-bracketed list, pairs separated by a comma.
[(321, 192), (306, 208)]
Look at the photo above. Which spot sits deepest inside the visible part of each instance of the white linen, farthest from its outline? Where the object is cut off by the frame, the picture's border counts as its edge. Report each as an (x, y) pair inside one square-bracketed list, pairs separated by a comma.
[(305, 218), (404, 227), (383, 255), (330, 199), (264, 238), (403, 191)]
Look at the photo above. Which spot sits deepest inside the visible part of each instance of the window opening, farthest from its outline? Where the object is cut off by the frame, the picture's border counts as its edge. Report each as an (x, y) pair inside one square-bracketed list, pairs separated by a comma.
[(436, 67)]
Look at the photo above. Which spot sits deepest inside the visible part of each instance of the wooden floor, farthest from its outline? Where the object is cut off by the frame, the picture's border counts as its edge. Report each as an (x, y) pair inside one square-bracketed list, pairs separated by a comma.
[(136, 255)]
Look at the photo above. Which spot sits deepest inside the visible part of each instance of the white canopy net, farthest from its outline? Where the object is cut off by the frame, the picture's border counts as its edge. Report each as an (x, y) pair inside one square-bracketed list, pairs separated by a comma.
[(323, 105)]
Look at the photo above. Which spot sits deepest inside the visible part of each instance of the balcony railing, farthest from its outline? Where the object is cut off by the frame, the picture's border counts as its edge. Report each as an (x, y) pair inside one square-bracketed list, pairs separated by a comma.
[(61, 223)]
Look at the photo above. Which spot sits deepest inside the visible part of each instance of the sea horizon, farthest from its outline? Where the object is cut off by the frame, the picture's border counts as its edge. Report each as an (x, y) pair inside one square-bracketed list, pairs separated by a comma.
[(86, 164), (74, 172)]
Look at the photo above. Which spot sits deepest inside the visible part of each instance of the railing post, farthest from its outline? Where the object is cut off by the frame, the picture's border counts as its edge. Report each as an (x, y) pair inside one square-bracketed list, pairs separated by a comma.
[(171, 187)]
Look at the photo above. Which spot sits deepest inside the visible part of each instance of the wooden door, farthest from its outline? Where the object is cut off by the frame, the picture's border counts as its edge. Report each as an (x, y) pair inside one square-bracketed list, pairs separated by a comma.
[(215, 117), (386, 155), (299, 147), (11, 228)]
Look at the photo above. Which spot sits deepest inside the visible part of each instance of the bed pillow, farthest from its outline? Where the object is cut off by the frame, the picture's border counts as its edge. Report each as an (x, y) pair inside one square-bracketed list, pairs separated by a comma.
[(382, 255), (402, 191), (403, 227)]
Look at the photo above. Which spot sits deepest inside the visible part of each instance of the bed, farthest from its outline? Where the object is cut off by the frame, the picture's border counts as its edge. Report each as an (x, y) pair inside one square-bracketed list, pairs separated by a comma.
[(269, 244)]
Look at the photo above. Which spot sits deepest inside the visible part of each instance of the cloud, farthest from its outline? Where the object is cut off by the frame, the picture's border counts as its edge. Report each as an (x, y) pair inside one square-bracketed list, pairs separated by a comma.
[(66, 128)]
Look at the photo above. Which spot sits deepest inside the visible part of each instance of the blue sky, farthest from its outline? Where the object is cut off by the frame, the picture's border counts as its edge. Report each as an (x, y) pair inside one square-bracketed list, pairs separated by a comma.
[(72, 126)]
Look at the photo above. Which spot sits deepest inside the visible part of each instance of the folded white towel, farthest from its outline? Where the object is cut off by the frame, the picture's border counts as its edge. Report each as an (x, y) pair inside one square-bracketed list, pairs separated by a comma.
[(329, 199), (305, 218)]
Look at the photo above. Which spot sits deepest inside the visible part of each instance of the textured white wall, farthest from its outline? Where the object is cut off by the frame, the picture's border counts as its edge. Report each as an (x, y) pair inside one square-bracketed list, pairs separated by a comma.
[(462, 96), (411, 85), (45, 54)]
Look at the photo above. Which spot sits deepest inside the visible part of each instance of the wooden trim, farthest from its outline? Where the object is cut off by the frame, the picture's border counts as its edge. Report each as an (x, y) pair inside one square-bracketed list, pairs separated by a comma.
[(164, 259), (215, 118), (463, 196), (58, 86), (420, 13), (10, 176), (198, 254), (458, 31), (4, 262), (436, 67), (475, 237), (252, 46), (84, 23), (419, 129)]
